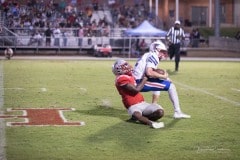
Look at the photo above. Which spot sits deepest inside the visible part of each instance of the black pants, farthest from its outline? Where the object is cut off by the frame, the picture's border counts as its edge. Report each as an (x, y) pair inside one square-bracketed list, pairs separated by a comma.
[(174, 51)]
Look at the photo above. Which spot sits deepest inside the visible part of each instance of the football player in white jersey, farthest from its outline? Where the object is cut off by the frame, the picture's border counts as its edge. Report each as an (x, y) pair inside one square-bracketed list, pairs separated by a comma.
[(157, 82)]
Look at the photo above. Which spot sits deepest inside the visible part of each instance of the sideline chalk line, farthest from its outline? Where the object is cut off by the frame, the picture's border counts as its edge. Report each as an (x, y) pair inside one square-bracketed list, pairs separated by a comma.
[(208, 93), (2, 124)]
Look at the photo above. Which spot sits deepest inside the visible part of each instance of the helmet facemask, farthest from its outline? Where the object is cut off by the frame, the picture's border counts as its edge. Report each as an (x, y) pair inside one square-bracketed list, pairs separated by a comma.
[(159, 48), (121, 67), (162, 54)]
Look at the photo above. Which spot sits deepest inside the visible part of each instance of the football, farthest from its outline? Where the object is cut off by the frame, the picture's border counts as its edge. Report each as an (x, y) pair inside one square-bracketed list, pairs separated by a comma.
[(160, 71)]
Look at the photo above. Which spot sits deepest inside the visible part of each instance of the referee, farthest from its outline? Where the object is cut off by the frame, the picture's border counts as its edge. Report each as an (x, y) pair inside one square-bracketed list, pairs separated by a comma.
[(174, 37)]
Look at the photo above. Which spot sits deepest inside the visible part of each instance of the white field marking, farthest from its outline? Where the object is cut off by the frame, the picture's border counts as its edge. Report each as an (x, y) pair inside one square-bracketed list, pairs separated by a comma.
[(62, 116), (2, 124), (65, 120), (235, 89), (14, 88), (26, 120), (43, 89), (208, 93), (24, 112), (212, 149)]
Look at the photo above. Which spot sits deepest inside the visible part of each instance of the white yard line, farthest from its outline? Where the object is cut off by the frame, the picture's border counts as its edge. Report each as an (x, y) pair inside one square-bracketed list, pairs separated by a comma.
[(16, 88), (235, 89), (208, 93), (2, 124)]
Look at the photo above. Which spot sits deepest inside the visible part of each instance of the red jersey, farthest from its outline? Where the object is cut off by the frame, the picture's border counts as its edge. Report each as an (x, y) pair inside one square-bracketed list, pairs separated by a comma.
[(128, 98)]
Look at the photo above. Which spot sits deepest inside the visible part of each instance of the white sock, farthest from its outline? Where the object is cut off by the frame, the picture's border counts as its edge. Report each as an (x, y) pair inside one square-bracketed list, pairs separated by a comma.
[(155, 96), (172, 92)]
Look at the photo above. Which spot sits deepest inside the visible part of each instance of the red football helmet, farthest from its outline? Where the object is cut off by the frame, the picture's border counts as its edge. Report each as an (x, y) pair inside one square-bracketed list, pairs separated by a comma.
[(122, 67)]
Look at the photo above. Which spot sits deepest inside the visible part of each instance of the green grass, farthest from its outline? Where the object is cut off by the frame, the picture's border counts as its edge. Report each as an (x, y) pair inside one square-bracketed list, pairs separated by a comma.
[(208, 91)]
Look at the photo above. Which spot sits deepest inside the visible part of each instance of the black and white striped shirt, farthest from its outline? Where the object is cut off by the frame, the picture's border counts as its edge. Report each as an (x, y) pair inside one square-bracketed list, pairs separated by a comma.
[(174, 33)]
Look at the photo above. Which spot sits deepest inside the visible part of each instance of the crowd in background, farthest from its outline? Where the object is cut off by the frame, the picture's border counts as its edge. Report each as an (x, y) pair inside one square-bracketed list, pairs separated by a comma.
[(60, 19), (39, 14)]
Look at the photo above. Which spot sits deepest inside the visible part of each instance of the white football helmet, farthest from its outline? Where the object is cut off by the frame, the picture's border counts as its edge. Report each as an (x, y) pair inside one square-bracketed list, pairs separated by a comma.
[(121, 67), (158, 46), (160, 49)]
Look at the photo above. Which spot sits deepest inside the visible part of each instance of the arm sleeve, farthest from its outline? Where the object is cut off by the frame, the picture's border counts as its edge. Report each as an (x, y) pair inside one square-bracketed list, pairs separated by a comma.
[(183, 34), (169, 32), (152, 61)]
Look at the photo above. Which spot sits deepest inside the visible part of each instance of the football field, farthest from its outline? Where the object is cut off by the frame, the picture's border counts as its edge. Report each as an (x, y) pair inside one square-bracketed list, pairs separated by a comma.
[(70, 110)]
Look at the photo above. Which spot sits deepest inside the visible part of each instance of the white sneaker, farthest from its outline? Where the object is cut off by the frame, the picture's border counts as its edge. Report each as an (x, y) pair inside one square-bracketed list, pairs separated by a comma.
[(178, 115), (157, 125)]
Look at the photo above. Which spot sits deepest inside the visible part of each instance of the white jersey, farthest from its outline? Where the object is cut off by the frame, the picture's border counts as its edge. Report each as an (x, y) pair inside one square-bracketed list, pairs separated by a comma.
[(149, 59), (57, 33)]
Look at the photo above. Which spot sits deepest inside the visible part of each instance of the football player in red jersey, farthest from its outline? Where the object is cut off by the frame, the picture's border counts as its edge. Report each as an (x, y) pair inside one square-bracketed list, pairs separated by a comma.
[(132, 98)]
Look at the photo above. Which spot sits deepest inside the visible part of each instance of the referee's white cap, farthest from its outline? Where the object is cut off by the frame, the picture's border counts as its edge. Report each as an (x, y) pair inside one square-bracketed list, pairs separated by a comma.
[(177, 22)]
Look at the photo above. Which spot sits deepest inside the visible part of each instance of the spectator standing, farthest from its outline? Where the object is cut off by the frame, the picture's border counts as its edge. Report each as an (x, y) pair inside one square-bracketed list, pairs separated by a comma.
[(39, 38), (56, 34), (65, 38), (195, 36), (48, 35), (80, 35), (174, 37), (36, 38), (134, 49)]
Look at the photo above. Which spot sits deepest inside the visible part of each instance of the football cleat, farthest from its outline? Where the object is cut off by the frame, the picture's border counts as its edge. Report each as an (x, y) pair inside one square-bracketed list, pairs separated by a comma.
[(179, 115), (157, 125)]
